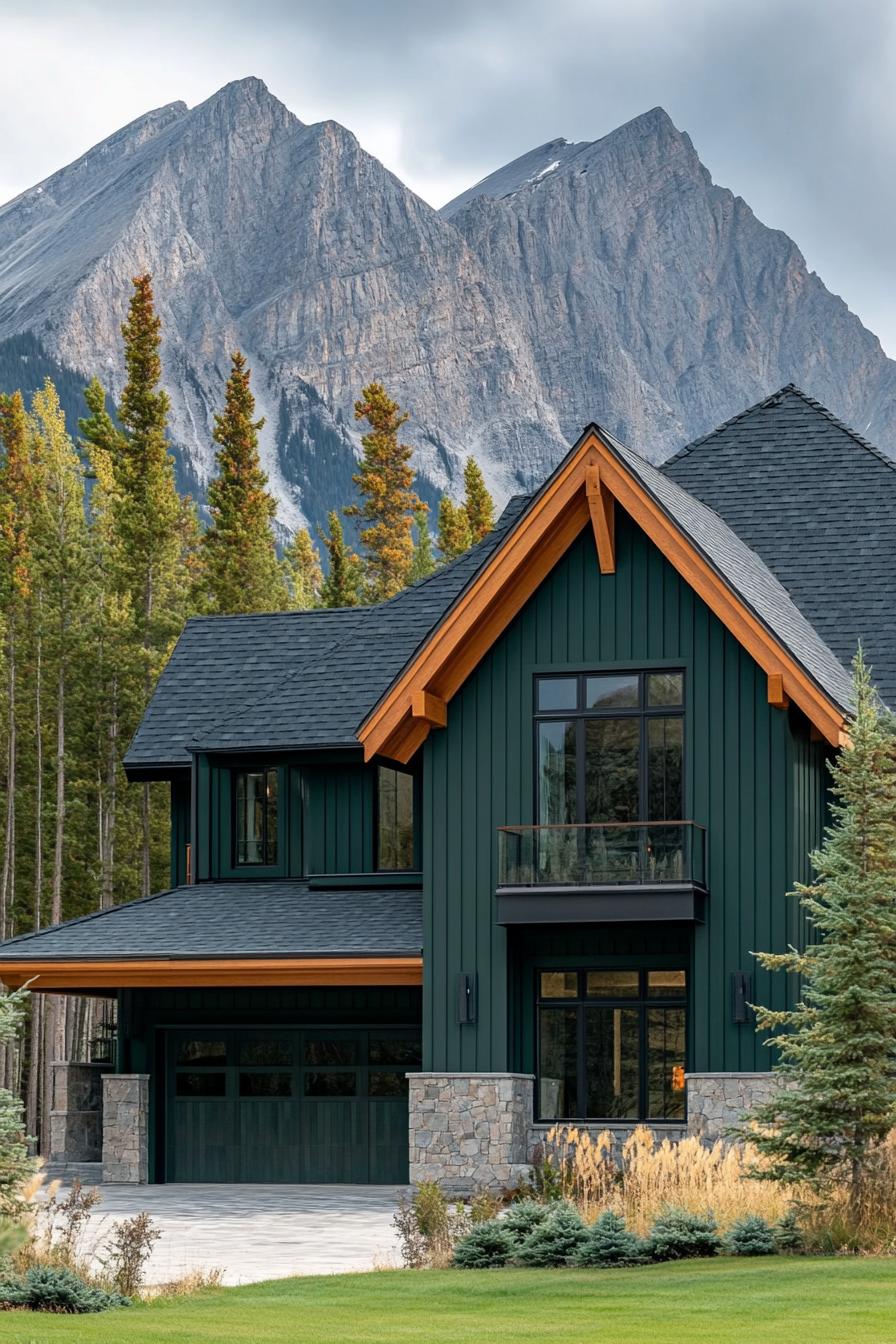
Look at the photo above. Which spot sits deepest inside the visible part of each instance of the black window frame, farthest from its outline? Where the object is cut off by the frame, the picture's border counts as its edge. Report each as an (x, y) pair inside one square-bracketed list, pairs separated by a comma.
[(413, 775), (581, 714), (264, 862), (642, 1003)]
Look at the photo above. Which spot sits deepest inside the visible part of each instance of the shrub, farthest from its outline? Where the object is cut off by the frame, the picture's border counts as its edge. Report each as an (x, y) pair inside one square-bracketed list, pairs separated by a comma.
[(750, 1236), (128, 1250), (609, 1242), (487, 1246), (522, 1218), (788, 1234), (553, 1241), (680, 1235), (428, 1228), (50, 1288)]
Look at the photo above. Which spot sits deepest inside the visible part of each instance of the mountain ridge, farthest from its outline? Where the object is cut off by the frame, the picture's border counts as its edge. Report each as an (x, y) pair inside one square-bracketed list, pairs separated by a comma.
[(607, 279)]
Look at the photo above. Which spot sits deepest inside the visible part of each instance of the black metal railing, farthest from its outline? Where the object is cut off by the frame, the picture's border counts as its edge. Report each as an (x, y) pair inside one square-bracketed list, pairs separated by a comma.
[(603, 854)]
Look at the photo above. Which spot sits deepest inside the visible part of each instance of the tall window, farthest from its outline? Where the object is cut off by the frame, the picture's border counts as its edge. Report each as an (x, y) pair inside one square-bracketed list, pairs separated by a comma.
[(611, 1044), (609, 747), (395, 819), (255, 828)]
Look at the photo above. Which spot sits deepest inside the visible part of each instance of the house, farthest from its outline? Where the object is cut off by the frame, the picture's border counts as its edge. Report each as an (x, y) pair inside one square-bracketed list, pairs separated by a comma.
[(494, 853)]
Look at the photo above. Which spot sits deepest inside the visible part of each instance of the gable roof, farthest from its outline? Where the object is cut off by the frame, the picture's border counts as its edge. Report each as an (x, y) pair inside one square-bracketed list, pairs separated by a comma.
[(818, 503), (240, 682), (731, 578), (223, 921)]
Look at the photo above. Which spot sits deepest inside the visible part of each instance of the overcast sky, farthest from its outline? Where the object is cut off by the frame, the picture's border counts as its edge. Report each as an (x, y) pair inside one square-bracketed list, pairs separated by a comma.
[(790, 103)]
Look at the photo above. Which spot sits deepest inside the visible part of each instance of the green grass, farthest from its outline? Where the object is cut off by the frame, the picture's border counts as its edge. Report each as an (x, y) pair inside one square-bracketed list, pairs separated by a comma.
[(721, 1302)]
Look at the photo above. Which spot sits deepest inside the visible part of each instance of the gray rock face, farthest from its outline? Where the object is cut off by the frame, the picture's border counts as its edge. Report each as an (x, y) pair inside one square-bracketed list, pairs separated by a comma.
[(609, 281)]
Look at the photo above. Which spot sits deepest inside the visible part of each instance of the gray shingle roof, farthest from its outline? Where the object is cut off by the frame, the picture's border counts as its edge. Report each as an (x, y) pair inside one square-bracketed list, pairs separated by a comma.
[(818, 504), (745, 572), (237, 919), (293, 679)]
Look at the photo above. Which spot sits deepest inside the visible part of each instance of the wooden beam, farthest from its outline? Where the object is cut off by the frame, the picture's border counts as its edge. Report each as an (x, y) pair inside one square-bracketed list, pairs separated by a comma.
[(602, 507), (777, 697), (149, 972), (429, 707)]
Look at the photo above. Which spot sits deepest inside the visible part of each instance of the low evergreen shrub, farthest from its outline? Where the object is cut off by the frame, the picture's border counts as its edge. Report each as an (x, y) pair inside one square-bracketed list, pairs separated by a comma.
[(486, 1246), (609, 1242), (680, 1235), (751, 1236), (553, 1241), (522, 1218), (49, 1288), (788, 1235)]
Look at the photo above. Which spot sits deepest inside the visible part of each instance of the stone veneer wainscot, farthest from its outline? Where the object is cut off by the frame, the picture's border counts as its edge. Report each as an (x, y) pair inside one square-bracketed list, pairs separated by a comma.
[(470, 1131)]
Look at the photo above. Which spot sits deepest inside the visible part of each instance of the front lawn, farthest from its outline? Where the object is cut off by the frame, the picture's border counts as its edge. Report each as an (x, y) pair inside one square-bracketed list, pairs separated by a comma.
[(722, 1302)]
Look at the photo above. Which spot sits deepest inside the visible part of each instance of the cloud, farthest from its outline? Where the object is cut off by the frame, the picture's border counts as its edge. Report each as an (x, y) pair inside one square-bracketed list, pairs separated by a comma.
[(788, 101)]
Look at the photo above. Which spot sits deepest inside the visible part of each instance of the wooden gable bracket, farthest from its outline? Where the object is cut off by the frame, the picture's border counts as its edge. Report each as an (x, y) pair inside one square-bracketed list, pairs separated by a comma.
[(602, 508), (430, 708), (777, 696)]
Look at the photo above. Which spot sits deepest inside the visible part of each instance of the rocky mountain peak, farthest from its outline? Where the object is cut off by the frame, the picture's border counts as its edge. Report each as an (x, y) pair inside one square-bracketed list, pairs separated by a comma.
[(606, 279)]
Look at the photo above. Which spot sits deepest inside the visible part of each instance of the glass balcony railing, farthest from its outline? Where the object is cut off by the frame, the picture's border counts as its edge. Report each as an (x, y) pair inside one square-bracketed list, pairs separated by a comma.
[(605, 854)]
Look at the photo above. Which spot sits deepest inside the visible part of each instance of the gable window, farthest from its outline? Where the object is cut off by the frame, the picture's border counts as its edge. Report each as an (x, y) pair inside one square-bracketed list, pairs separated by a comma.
[(611, 1044), (255, 823), (395, 819), (609, 747)]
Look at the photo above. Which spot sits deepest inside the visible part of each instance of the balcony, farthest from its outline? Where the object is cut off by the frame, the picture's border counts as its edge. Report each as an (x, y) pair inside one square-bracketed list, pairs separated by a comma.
[(606, 872)]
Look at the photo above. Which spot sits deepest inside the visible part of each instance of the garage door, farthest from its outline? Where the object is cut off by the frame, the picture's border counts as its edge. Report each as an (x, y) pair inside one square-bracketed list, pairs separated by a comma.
[(287, 1105)]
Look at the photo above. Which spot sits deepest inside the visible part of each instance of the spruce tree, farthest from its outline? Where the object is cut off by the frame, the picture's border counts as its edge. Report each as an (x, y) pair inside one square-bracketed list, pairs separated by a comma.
[(478, 503), (389, 501), (837, 1047), (242, 572), (153, 526), (342, 585), (304, 577), (423, 563), (454, 529)]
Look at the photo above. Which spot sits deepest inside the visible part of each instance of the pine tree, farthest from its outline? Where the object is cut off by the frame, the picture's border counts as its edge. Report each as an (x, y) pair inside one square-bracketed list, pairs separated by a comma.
[(478, 503), (423, 564), (242, 572), (454, 529), (389, 501), (342, 586), (304, 577), (837, 1047)]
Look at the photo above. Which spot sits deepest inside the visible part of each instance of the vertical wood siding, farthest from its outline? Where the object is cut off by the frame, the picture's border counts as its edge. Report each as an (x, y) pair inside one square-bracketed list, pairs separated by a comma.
[(752, 777)]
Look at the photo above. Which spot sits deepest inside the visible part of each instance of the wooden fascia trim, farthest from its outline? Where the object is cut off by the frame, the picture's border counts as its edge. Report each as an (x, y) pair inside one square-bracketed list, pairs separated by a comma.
[(777, 696), (47, 976), (746, 627), (602, 507), (490, 603)]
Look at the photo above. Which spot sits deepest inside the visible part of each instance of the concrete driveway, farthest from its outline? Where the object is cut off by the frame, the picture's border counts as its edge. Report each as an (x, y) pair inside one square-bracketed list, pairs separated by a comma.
[(254, 1232)]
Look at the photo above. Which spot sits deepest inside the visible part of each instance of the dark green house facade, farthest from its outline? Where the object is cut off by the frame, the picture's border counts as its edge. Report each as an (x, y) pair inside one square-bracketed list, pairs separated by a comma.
[(495, 854)]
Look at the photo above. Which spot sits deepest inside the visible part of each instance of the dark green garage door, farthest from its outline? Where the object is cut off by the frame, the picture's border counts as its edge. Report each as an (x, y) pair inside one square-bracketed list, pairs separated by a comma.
[(289, 1105)]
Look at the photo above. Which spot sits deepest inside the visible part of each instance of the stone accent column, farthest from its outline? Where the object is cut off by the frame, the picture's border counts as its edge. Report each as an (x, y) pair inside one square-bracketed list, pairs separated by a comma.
[(126, 1128), (717, 1101), (76, 1114), (470, 1131)]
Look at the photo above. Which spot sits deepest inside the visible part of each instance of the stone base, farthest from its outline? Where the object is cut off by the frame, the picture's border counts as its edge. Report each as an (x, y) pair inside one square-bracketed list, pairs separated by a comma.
[(718, 1101), (76, 1115), (126, 1128), (470, 1131)]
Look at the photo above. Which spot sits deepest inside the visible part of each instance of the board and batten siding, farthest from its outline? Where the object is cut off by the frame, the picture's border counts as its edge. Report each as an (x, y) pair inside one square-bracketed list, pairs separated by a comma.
[(753, 777)]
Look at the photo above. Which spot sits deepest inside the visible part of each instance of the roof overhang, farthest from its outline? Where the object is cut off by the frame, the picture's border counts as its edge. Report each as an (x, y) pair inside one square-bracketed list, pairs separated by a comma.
[(584, 489), (59, 975)]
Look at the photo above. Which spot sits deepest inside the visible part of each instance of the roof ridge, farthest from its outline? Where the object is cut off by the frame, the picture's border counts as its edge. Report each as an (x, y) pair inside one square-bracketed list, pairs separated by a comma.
[(774, 399)]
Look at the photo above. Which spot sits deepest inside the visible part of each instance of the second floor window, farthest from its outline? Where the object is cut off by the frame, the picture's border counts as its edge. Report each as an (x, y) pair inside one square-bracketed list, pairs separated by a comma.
[(255, 830), (395, 819), (609, 747)]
